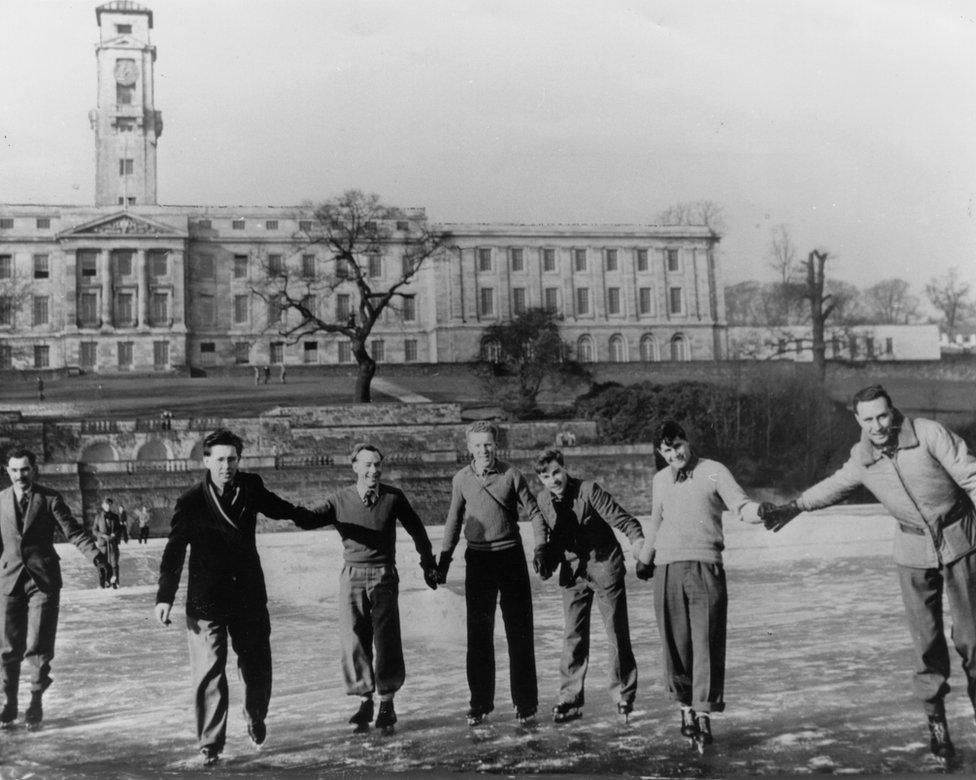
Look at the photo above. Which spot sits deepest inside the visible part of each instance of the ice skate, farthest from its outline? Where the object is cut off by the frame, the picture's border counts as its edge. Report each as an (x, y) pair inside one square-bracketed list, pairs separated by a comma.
[(703, 735), (9, 713), (363, 716), (525, 716), (209, 756), (477, 716), (257, 732), (386, 718), (688, 727), (35, 713), (624, 708), (940, 744), (566, 711)]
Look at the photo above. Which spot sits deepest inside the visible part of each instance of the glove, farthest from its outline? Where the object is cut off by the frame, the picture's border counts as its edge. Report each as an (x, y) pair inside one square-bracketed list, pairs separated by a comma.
[(443, 564), (104, 572), (542, 561), (644, 570), (431, 577), (775, 517)]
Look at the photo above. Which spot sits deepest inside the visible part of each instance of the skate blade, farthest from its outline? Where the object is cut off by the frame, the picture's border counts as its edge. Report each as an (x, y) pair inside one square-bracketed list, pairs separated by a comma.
[(33, 726), (567, 717), (360, 728), (387, 731)]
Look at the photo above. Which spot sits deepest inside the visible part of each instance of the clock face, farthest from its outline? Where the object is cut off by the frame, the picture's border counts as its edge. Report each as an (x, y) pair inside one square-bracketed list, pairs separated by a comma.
[(125, 72)]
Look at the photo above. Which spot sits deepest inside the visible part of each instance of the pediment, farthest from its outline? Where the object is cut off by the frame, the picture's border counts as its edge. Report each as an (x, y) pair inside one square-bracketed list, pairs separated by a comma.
[(123, 42), (123, 224)]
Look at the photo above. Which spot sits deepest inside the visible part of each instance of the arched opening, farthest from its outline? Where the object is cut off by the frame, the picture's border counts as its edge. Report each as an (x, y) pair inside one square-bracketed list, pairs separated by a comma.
[(584, 349), (679, 347), (648, 348), (152, 450), (99, 452), (618, 349)]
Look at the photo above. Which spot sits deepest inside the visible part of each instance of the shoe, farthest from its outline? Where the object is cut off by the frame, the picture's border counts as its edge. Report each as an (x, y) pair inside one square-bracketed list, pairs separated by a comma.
[(525, 715), (476, 716), (624, 708), (387, 715), (363, 716), (257, 732), (35, 712), (209, 755), (9, 714), (704, 724), (940, 744), (688, 725), (565, 711)]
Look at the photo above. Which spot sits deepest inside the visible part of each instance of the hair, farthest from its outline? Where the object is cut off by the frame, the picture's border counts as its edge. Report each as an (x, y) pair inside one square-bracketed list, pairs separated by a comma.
[(872, 393), (223, 436), (22, 452), (107, 500), (482, 426), (364, 446), (668, 433), (546, 457)]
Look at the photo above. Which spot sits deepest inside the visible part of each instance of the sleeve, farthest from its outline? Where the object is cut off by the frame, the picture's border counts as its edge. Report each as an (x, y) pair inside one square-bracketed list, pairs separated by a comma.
[(614, 514), (734, 497), (951, 451), (174, 554), (124, 522), (657, 517), (98, 528), (73, 531), (415, 527), (832, 489), (452, 524), (539, 528), (274, 506)]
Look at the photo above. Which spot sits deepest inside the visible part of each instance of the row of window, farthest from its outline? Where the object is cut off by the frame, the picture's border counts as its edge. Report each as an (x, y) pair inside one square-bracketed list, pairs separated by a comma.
[(277, 312), (304, 225), (41, 223), (121, 264), (275, 265), (617, 350), (310, 352), (123, 312), (88, 355), (547, 258), (582, 304)]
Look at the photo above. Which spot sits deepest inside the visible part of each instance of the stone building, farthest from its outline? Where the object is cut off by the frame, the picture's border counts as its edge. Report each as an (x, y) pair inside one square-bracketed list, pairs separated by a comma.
[(132, 285)]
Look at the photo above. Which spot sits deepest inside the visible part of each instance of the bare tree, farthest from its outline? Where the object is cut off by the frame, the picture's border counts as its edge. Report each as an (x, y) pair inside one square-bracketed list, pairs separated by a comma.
[(16, 298), (821, 307), (782, 254), (889, 302), (358, 233), (847, 301), (698, 212), (950, 295)]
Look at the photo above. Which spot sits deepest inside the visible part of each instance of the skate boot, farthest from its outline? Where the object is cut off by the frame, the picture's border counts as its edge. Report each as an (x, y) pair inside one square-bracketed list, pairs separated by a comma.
[(209, 756), (525, 715), (703, 722), (363, 716), (688, 726), (569, 710), (386, 717), (477, 715), (940, 744), (624, 708), (35, 712), (9, 714), (257, 732)]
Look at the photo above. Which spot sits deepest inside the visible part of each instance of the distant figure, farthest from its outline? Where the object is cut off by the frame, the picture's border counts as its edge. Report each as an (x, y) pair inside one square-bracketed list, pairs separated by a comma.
[(267, 374), (109, 530), (257, 375), (165, 420), (283, 373), (40, 389), (143, 518), (101, 392)]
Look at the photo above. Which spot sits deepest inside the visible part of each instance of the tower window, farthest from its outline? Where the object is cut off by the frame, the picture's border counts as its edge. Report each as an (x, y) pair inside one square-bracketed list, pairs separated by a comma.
[(43, 223), (124, 94), (123, 29), (237, 224), (124, 125), (125, 166), (6, 223)]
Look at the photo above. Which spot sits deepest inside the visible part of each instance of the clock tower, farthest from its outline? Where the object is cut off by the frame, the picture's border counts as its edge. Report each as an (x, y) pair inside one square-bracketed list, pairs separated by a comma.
[(126, 123)]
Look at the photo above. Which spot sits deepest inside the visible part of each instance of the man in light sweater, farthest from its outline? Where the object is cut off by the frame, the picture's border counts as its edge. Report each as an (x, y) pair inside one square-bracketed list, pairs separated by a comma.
[(685, 537), (485, 497), (365, 514)]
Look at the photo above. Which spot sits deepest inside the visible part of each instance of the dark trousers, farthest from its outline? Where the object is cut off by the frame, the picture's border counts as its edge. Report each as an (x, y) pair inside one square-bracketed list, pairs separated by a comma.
[(603, 580), (492, 577), (111, 553), (921, 591), (369, 615), (30, 625), (143, 533), (250, 636), (691, 604)]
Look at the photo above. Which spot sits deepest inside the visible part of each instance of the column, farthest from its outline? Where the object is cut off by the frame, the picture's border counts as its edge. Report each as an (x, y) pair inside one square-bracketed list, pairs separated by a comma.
[(142, 277), (177, 274), (105, 273)]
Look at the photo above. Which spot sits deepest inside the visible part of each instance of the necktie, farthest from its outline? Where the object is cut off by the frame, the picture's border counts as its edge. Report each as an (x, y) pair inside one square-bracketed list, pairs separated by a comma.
[(22, 506), (369, 498), (681, 476)]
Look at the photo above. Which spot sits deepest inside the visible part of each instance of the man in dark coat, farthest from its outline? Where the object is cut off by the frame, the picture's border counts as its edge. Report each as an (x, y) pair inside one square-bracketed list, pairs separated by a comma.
[(30, 580), (226, 594), (109, 530)]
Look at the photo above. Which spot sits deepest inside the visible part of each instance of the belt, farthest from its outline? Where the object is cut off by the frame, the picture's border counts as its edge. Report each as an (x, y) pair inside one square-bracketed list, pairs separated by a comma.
[(911, 529), (953, 516)]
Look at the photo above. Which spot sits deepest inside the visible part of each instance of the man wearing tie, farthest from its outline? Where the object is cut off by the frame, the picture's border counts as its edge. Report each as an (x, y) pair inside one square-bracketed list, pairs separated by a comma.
[(30, 580)]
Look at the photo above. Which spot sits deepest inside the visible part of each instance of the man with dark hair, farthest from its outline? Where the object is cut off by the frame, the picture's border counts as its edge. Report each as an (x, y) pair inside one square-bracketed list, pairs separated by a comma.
[(30, 580), (581, 517), (685, 537), (485, 497), (110, 530), (925, 477), (365, 514), (226, 595)]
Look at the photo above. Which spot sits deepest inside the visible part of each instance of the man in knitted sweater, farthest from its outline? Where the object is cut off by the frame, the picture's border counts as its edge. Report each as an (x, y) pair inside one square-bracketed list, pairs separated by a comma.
[(485, 497), (365, 514), (684, 536)]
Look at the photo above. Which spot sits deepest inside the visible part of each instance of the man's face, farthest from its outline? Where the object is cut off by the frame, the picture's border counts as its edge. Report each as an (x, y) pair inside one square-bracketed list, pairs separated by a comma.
[(481, 445), (877, 420), (368, 467), (553, 478), (106, 506), (222, 463), (21, 472), (677, 454)]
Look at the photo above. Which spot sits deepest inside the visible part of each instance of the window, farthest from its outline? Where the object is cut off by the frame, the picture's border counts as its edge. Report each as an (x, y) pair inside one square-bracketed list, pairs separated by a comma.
[(378, 350), (406, 266), (852, 346), (308, 266), (158, 263), (270, 224), (125, 166), (582, 300), (869, 346), (40, 310), (648, 348), (409, 308), (402, 225), (124, 94), (618, 349), (124, 351), (88, 264), (160, 354), (123, 29), (207, 309), (487, 302), (276, 352), (42, 356), (345, 352), (88, 315), (641, 259), (237, 224), (675, 300), (550, 299), (375, 264), (672, 255), (124, 125), (781, 346), (204, 224), (123, 263), (484, 259), (584, 349), (6, 310), (41, 268), (242, 352), (518, 300), (491, 350), (518, 259), (205, 267), (370, 226), (43, 223), (645, 301), (611, 258), (240, 309), (835, 346), (310, 352), (275, 265), (342, 306), (208, 353), (6, 266), (305, 225), (88, 354), (679, 350), (410, 350), (124, 309), (548, 259), (889, 346), (276, 312), (159, 309), (799, 345), (240, 266), (613, 300), (6, 356), (341, 269), (6, 223), (579, 259)]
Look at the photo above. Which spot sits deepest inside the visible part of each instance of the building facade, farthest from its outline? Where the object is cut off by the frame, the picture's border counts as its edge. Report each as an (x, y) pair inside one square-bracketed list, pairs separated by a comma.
[(132, 285)]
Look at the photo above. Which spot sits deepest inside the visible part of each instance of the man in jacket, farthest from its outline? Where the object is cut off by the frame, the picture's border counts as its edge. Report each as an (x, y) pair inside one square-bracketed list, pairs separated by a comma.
[(30, 580), (109, 530), (581, 517), (226, 594), (925, 477)]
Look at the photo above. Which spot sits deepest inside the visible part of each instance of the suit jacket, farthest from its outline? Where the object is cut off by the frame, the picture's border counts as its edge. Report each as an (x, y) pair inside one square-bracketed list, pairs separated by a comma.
[(225, 575), (108, 529), (33, 547)]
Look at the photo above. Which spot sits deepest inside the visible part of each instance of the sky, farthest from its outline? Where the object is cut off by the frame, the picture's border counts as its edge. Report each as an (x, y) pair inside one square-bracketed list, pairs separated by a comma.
[(851, 123)]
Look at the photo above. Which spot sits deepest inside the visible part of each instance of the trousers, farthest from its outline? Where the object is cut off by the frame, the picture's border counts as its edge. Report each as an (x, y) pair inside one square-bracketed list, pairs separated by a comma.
[(30, 626), (369, 617)]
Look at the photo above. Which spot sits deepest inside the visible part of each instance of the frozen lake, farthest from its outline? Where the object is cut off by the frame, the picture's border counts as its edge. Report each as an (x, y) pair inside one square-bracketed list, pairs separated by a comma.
[(818, 674)]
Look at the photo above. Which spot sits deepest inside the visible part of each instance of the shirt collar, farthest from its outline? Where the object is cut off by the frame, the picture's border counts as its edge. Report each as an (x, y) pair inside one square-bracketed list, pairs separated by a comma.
[(364, 489), (26, 492), (680, 475), (492, 469)]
